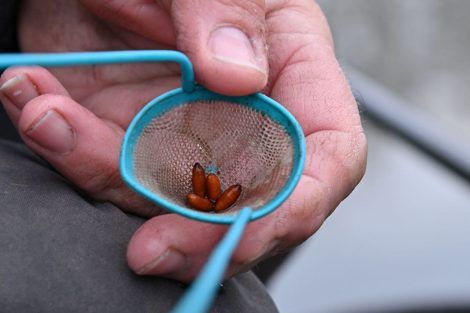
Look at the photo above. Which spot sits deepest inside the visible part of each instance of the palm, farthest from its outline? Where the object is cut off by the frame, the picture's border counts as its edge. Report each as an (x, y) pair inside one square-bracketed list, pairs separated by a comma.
[(116, 93), (113, 92)]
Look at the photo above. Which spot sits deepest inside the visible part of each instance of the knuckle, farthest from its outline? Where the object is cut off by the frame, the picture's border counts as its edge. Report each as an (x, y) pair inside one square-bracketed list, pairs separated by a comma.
[(45, 102), (107, 180), (259, 241), (360, 159), (243, 263), (347, 153), (23, 70), (301, 217)]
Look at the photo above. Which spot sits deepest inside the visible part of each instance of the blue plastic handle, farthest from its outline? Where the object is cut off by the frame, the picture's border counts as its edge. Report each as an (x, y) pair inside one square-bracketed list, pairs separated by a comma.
[(106, 57), (202, 292)]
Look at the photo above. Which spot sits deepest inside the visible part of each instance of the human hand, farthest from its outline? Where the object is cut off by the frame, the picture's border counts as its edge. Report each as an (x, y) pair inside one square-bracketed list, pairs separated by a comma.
[(75, 118)]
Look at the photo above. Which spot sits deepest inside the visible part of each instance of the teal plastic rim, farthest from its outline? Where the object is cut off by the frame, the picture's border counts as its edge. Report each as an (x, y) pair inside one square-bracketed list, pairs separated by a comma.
[(176, 97), (103, 57)]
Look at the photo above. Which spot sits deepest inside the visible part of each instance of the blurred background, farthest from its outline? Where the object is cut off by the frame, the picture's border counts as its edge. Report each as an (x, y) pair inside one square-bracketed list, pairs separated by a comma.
[(401, 241)]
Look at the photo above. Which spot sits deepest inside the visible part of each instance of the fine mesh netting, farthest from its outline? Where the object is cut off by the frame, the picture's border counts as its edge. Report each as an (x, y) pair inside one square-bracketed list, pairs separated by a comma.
[(240, 144)]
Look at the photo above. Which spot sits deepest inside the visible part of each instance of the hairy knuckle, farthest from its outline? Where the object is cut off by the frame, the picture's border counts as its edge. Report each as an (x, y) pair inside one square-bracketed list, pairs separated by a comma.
[(301, 218), (346, 152)]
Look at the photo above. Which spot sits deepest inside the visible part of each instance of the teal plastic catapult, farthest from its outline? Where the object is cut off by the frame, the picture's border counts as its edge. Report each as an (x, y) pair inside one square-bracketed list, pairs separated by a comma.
[(202, 292)]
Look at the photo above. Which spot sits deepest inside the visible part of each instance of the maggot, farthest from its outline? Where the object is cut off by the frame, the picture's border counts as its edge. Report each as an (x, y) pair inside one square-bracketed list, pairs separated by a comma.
[(228, 198)]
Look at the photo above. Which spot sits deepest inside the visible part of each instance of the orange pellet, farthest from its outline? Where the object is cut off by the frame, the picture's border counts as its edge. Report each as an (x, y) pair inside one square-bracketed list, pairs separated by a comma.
[(199, 180), (199, 203), (213, 187), (228, 198)]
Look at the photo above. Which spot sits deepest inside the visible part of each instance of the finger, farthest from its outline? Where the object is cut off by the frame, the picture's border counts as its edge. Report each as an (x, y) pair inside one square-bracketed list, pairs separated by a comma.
[(173, 246), (225, 41), (18, 85), (79, 145)]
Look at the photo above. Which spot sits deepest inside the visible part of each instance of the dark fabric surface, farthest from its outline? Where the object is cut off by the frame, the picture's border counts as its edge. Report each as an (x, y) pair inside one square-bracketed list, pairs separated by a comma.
[(63, 253), (8, 43), (8, 14), (7, 131)]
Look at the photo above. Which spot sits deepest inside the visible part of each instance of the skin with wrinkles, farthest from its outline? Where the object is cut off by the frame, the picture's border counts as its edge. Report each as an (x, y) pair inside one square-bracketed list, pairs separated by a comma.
[(293, 61)]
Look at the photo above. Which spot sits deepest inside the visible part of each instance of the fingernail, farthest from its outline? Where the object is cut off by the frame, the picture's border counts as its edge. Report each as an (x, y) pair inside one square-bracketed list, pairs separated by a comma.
[(230, 44), (52, 132), (19, 90), (168, 262)]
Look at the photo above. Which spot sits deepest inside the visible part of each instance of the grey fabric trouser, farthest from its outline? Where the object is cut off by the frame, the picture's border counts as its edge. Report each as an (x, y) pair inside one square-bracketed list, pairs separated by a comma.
[(61, 252)]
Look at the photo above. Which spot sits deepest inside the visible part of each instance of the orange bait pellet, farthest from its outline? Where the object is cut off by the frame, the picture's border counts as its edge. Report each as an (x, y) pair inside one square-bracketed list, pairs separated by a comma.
[(199, 203), (213, 187), (199, 180), (228, 198)]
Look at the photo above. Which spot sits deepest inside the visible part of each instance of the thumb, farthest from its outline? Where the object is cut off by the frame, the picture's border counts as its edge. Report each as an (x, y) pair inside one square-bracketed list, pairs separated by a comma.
[(172, 246), (225, 41), (176, 247)]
